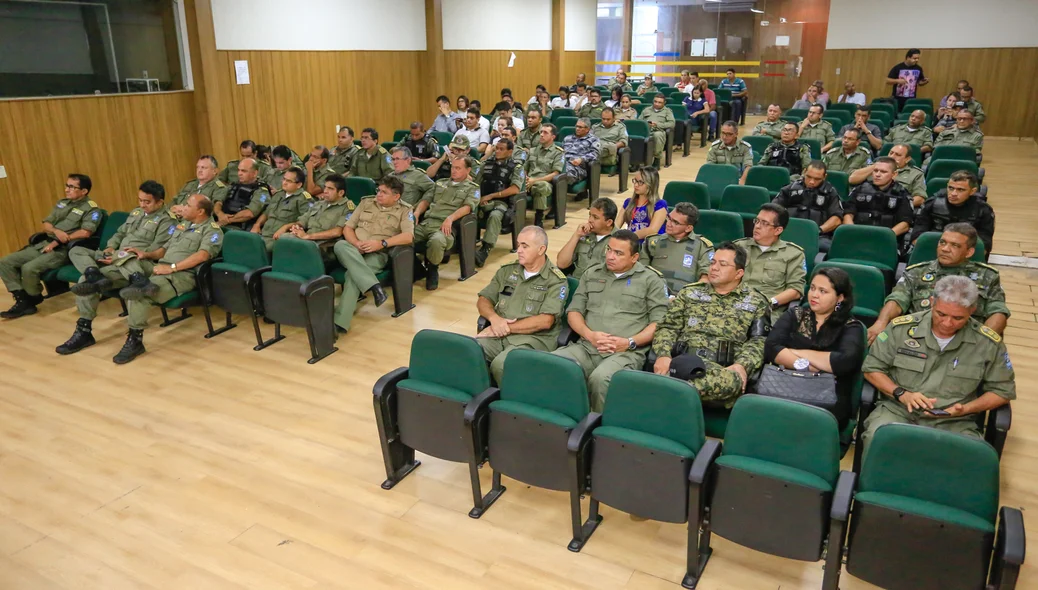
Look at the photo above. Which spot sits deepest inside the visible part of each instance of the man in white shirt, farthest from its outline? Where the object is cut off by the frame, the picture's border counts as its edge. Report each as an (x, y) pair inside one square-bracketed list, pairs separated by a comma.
[(483, 123), (503, 109), (477, 136), (851, 96)]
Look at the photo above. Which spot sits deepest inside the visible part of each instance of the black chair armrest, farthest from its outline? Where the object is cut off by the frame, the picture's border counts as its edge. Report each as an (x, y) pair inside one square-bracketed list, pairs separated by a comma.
[(254, 283), (482, 324), (581, 434), (480, 404), (384, 401), (1011, 526), (868, 403), (204, 279), (841, 507), (704, 460), (316, 284), (567, 336), (90, 243), (999, 421), (387, 383), (38, 237)]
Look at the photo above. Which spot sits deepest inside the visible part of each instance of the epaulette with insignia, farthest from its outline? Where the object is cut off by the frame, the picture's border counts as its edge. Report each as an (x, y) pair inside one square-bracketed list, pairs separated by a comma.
[(987, 266), (708, 243), (382, 150), (220, 183), (92, 204), (916, 168), (833, 150), (715, 142), (916, 265), (903, 320), (746, 143), (215, 225), (307, 195), (558, 147), (555, 270), (993, 335), (655, 270), (795, 245)]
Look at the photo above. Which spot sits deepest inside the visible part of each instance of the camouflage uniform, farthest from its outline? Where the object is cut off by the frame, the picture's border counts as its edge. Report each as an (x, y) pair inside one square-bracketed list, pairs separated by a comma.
[(585, 148), (912, 292), (836, 159), (770, 129), (739, 155), (448, 197), (417, 184), (543, 161), (341, 160), (608, 137), (680, 262), (921, 136), (664, 119)]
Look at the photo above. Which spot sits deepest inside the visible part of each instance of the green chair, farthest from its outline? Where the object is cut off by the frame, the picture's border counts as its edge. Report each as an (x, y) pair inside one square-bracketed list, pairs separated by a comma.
[(909, 506), (803, 233), (234, 281), (884, 116), (589, 187), (638, 107), (772, 178), (953, 152), (565, 132), (421, 164), (777, 486), (719, 226), (844, 107), (622, 169), (791, 119), (669, 90), (869, 245), (57, 281), (683, 127), (914, 150), (945, 168), (642, 143), (648, 97), (560, 122), (678, 191), (816, 147), (388, 145), (662, 86), (744, 201), (759, 143), (883, 107), (438, 405), (936, 185), (295, 291), (800, 114), (724, 104), (400, 135), (716, 177), (883, 124), (443, 138), (835, 122), (841, 181), (845, 117), (919, 101), (869, 288), (358, 187), (559, 113), (925, 249), (398, 274)]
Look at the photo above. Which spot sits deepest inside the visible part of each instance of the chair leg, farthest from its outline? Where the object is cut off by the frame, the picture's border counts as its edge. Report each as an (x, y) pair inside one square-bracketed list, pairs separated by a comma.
[(227, 325), (699, 550), (398, 457), (169, 322), (259, 337), (582, 531), (834, 555), (481, 503), (320, 329)]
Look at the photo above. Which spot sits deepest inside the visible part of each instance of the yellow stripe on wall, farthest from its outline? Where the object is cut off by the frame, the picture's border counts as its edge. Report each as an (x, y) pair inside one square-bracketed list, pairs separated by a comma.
[(679, 63), (678, 75)]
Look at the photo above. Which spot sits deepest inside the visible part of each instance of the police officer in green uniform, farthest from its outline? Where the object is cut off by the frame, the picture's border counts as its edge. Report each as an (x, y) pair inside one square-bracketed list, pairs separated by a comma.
[(546, 161), (958, 202), (964, 133), (341, 159), (593, 109), (774, 267), (244, 201), (523, 304), (611, 134), (530, 137), (283, 160), (813, 127), (881, 201), (788, 153), (729, 150), (681, 256), (614, 311), (420, 144), (247, 149), (195, 240), (373, 161), (416, 183), (661, 121), (378, 224), (723, 322), (453, 199), (323, 222), (929, 366), (499, 180), (285, 209), (204, 183), (620, 81), (849, 156), (772, 125), (587, 245), (317, 170), (973, 106), (73, 218), (910, 177), (914, 132), (912, 292)]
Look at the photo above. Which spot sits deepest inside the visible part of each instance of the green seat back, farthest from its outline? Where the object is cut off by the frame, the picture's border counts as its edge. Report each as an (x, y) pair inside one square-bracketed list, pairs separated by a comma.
[(723, 94), (800, 114), (791, 119), (358, 187), (945, 468), (835, 122), (655, 405), (744, 199), (883, 107), (420, 164), (662, 85), (573, 283), (935, 185), (680, 112), (559, 113), (772, 178), (298, 260), (841, 181), (884, 116), (388, 145), (448, 360), (865, 243), (669, 90), (882, 124), (112, 223), (843, 107), (869, 286), (945, 168), (679, 191), (759, 143), (400, 135), (803, 233), (953, 152), (919, 101), (442, 138), (845, 117), (244, 249), (648, 97), (816, 147), (637, 128), (925, 249), (719, 226), (638, 107), (545, 381), (565, 121), (914, 150), (565, 132), (790, 434), (716, 177)]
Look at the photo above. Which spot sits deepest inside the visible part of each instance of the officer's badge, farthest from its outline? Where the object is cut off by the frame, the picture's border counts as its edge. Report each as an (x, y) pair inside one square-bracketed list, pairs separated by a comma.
[(882, 337), (410, 215), (693, 322), (711, 256), (974, 276), (477, 193), (214, 238), (136, 212), (62, 205), (96, 216), (263, 198), (513, 278), (562, 293), (529, 308), (122, 253), (911, 343), (868, 198), (179, 227), (389, 159), (820, 200), (928, 277), (803, 265), (891, 202), (348, 215), (748, 299), (687, 260), (925, 303)]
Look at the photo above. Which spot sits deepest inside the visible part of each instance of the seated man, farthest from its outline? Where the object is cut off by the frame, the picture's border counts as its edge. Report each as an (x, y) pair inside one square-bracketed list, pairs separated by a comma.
[(910, 177), (441, 168), (880, 201), (868, 134), (546, 161), (612, 135), (450, 201), (477, 136), (957, 203), (813, 127), (809, 99), (587, 245), (524, 303), (738, 88), (774, 267), (580, 150), (379, 223), (729, 150), (912, 293), (772, 124), (247, 149), (195, 240), (681, 256), (614, 311), (244, 200), (722, 321), (447, 121), (648, 85), (620, 81), (851, 95), (788, 153), (929, 366), (372, 161), (531, 135), (342, 156), (317, 170), (73, 218), (503, 110), (417, 183), (204, 183), (660, 120), (285, 208), (499, 179), (972, 105), (965, 132), (914, 132), (420, 144), (323, 222), (128, 257), (850, 155), (282, 162), (594, 107), (813, 197)]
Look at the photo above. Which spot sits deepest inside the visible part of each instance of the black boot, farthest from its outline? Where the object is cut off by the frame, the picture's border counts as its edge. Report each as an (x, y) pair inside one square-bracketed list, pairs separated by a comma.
[(432, 277), (139, 287), (132, 348), (24, 304), (94, 282), (379, 294), (482, 253), (80, 339), (538, 219)]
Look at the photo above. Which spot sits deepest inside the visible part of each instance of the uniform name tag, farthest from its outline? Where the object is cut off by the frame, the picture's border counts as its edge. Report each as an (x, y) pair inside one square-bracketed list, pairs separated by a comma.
[(687, 260), (913, 353)]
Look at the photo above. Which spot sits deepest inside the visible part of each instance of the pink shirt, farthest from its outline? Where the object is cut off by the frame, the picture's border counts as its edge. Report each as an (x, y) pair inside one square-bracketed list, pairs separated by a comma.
[(710, 98)]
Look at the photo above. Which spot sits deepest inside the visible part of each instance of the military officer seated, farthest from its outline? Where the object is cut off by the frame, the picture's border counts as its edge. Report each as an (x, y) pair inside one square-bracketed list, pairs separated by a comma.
[(612, 136), (420, 144), (813, 197), (416, 183), (724, 322), (245, 200), (545, 163), (580, 149), (285, 209), (531, 136), (322, 222), (661, 121), (499, 180), (317, 170), (849, 156), (587, 245), (452, 199), (614, 312), (908, 176), (283, 160), (928, 367), (524, 303), (441, 168), (774, 267), (972, 105), (788, 153), (914, 131), (681, 256), (957, 203), (594, 107), (912, 292), (965, 132), (729, 150), (73, 218), (372, 161), (248, 151), (342, 156), (869, 135), (772, 124), (204, 183), (813, 127), (880, 201)]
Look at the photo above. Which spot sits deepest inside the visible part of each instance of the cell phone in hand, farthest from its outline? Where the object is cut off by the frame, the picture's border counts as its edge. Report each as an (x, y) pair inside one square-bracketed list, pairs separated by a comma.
[(937, 412)]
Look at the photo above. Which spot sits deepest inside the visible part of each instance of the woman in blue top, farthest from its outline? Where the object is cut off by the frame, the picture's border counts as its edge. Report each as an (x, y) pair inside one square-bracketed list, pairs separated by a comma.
[(646, 213), (696, 104)]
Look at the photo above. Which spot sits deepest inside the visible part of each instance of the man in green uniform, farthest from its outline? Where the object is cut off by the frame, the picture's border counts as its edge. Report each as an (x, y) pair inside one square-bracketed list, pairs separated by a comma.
[(73, 218), (546, 161), (244, 201), (788, 152), (524, 303), (973, 106), (317, 169), (416, 183), (614, 311), (929, 366), (681, 256), (499, 180), (373, 161), (594, 108), (453, 199), (204, 183), (378, 224), (772, 125), (774, 267), (661, 121), (323, 222), (724, 322), (283, 160), (813, 127), (195, 240), (965, 132), (518, 153), (611, 134), (341, 159), (729, 150), (849, 156), (913, 290), (441, 168), (914, 132), (530, 137), (620, 81), (285, 209), (587, 245), (908, 176), (128, 257), (247, 149)]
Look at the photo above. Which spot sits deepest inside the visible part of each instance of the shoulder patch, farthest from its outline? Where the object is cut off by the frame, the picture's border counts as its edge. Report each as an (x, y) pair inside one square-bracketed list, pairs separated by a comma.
[(902, 320), (215, 225), (172, 215), (987, 266), (555, 270), (795, 245), (993, 335), (715, 142), (92, 204), (916, 265)]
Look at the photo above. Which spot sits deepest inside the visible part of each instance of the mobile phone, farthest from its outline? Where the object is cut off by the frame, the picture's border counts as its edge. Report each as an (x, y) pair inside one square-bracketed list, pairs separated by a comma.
[(937, 412)]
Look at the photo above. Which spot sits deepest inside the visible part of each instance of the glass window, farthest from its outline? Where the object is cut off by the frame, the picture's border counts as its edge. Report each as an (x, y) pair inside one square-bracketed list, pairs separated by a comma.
[(609, 37)]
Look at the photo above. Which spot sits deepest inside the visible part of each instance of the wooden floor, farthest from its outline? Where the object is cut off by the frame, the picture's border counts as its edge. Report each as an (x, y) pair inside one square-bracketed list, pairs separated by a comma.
[(204, 464)]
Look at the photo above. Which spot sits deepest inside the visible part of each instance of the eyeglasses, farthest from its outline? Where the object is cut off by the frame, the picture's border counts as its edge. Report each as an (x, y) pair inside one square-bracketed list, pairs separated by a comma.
[(764, 223), (670, 219), (399, 159), (637, 181), (72, 186)]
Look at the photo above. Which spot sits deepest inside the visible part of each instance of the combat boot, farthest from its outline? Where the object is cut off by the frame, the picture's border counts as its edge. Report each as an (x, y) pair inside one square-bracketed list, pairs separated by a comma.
[(24, 304), (132, 348), (538, 219), (94, 282), (379, 294), (482, 253), (81, 338), (139, 287), (432, 277)]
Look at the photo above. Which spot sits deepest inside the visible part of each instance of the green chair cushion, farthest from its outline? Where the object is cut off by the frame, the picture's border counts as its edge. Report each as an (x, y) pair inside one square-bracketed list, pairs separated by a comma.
[(185, 300), (774, 470), (435, 389), (536, 412), (286, 276), (450, 360), (578, 187), (644, 439), (68, 273), (715, 421), (926, 509), (657, 406)]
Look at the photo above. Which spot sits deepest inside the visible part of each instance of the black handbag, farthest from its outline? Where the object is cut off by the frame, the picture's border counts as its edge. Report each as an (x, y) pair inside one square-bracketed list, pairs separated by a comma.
[(815, 389)]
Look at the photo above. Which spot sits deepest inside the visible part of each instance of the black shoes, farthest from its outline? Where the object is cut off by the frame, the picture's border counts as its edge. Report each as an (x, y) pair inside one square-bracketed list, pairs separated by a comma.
[(80, 339), (24, 304), (481, 254), (538, 219), (379, 295), (94, 282), (432, 277), (132, 348), (139, 287)]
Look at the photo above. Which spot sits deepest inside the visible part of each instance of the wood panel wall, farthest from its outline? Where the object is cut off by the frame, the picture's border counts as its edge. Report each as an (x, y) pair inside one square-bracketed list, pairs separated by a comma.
[(482, 74), (119, 141), (573, 63), (1002, 79)]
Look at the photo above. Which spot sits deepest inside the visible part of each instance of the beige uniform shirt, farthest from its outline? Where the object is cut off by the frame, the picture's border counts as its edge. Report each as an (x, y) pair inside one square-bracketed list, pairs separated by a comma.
[(373, 222)]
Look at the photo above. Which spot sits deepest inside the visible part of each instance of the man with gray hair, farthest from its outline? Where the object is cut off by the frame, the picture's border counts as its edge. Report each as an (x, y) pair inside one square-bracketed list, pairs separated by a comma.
[(929, 366), (580, 150), (522, 306), (416, 183)]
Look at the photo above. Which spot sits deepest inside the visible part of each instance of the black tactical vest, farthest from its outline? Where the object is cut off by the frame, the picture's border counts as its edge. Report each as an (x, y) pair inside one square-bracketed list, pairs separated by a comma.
[(876, 207), (419, 149), (786, 156), (239, 196), (808, 203), (497, 176), (943, 213), (677, 277)]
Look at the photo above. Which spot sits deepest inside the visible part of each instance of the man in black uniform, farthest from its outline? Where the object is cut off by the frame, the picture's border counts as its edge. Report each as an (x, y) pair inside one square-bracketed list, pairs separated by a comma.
[(880, 201), (244, 201), (813, 197), (499, 178), (958, 202), (788, 153), (422, 145)]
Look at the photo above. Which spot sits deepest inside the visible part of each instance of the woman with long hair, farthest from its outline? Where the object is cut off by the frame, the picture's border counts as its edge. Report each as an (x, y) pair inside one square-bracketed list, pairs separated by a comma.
[(646, 213), (462, 104)]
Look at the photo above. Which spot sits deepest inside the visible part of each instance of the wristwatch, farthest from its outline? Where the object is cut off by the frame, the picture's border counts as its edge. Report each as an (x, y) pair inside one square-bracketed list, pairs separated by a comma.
[(173, 267), (897, 393), (774, 303), (631, 344), (801, 364), (385, 244)]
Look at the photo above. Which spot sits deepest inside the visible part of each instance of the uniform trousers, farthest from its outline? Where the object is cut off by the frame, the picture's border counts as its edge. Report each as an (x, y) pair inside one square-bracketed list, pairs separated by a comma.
[(84, 258), (660, 136), (719, 387), (891, 412), (21, 270), (492, 214), (599, 368), (541, 193), (436, 242), (169, 286), (607, 153), (496, 349), (360, 276)]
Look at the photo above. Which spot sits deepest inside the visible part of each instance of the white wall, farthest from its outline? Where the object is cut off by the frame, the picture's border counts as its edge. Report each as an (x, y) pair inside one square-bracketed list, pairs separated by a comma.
[(581, 19), (320, 25), (900, 24), (497, 24)]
